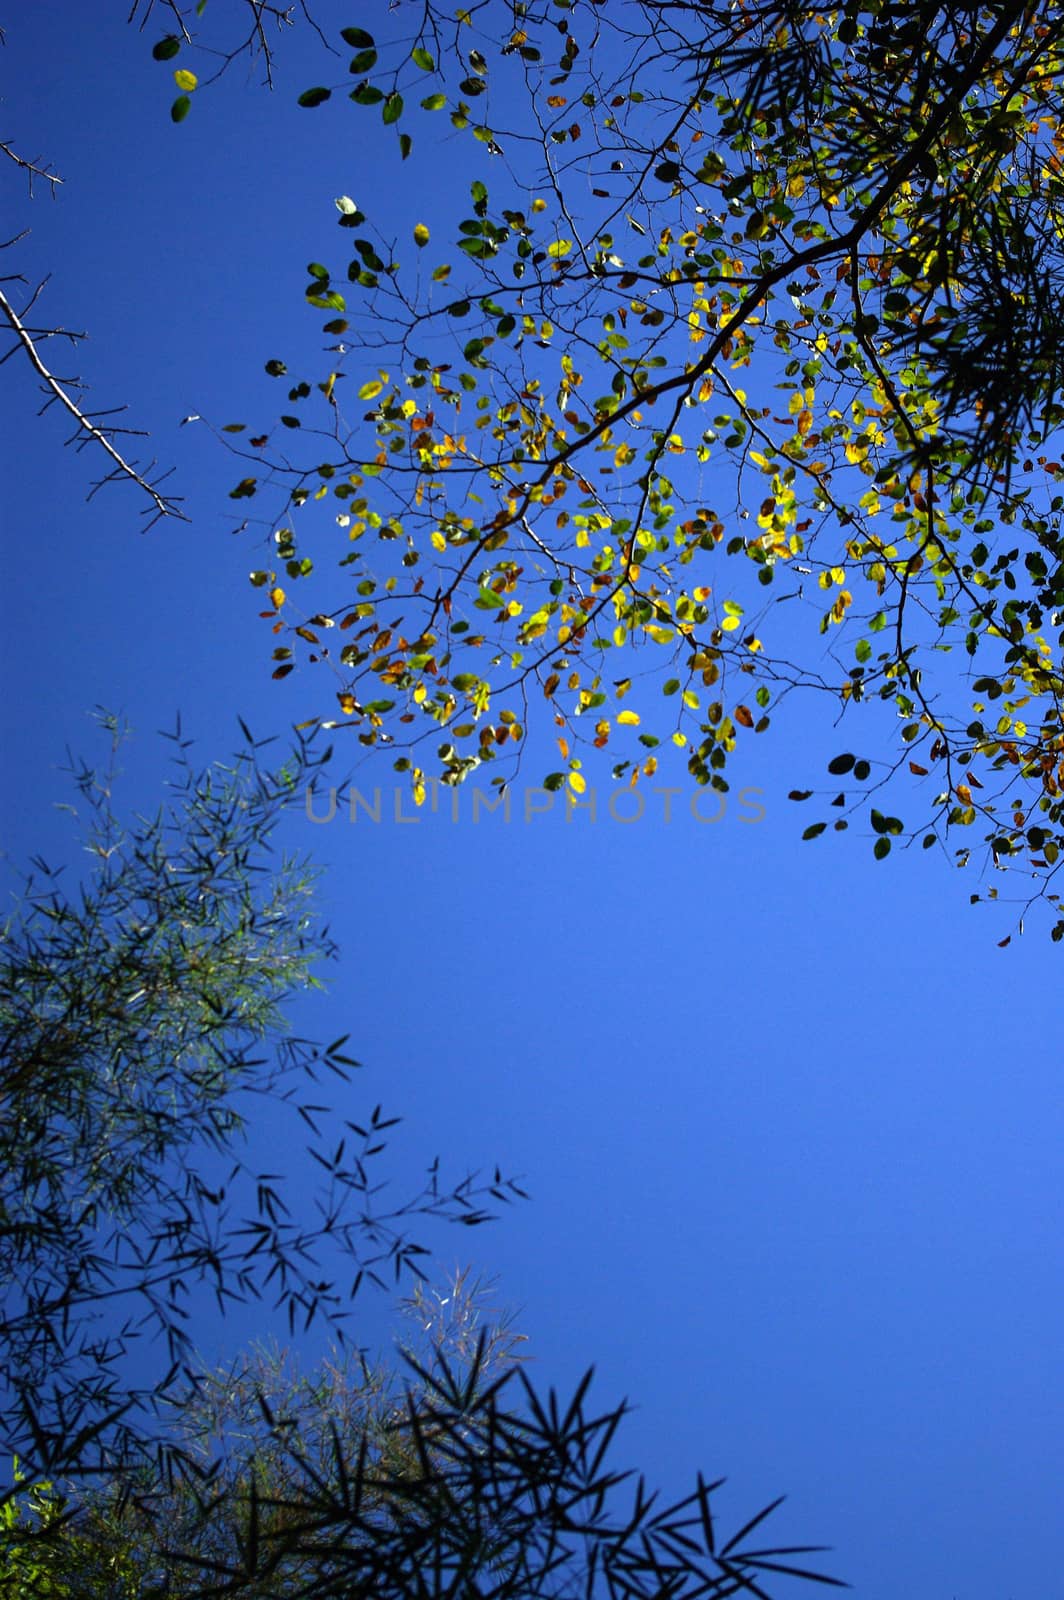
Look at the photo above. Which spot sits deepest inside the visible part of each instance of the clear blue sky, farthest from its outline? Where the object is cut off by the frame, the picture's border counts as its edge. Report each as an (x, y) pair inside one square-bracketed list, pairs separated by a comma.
[(792, 1123)]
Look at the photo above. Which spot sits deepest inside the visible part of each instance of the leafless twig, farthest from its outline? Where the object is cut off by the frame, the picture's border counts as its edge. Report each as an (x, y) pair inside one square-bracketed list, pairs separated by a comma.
[(31, 168), (87, 429)]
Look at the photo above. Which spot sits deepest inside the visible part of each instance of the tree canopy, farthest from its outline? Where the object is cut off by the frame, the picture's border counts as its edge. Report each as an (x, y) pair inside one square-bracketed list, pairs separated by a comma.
[(344, 1481), (735, 376), (141, 1018)]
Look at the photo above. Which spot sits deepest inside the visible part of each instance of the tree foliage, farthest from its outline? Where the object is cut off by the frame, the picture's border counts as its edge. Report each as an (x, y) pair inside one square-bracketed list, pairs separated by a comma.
[(134, 1012), (140, 1018), (738, 374), (347, 1482)]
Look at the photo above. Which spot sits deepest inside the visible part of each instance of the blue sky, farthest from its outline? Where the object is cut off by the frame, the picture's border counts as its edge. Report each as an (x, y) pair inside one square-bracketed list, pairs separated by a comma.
[(790, 1120)]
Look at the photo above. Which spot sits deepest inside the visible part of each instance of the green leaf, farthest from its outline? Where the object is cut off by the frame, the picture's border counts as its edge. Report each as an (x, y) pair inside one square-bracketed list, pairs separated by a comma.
[(180, 108), (167, 48), (363, 62), (393, 109), (434, 102), (421, 58), (357, 38), (814, 830), (881, 848), (314, 97), (554, 781)]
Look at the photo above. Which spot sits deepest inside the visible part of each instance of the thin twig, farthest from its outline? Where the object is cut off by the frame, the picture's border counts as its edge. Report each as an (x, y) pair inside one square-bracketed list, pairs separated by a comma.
[(31, 168), (122, 468)]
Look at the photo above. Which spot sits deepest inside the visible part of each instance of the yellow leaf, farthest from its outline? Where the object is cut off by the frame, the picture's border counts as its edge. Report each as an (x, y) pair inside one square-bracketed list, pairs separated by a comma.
[(370, 391), (577, 782), (185, 80), (348, 704), (421, 236), (629, 719), (277, 598)]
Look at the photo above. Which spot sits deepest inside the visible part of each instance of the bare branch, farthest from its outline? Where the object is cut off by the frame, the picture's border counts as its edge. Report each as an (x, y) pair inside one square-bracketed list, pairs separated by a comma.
[(31, 168), (87, 429)]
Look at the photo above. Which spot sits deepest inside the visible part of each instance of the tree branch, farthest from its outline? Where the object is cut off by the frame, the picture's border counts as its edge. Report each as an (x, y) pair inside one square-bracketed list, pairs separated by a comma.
[(164, 506), (31, 168)]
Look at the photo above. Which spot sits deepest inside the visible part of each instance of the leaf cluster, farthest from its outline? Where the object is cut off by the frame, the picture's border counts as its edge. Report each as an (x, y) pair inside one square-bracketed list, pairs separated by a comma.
[(761, 307)]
